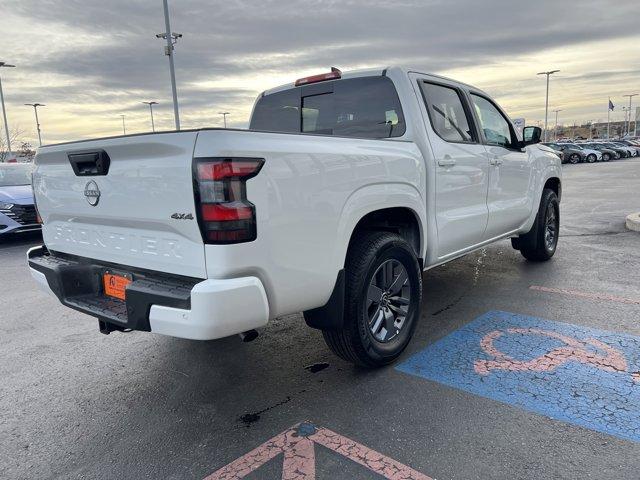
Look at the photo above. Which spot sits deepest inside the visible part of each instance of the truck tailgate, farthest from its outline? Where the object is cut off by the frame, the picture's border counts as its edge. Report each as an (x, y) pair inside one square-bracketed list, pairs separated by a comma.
[(140, 213)]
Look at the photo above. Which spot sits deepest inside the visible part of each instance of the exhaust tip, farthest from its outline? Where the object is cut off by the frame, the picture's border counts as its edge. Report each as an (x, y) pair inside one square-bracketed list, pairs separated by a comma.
[(248, 336)]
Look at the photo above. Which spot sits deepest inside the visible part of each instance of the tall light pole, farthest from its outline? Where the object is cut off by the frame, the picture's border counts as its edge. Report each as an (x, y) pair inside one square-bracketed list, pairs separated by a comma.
[(224, 117), (124, 129), (546, 104), (629, 121), (171, 39), (151, 104), (555, 130), (35, 109), (4, 112)]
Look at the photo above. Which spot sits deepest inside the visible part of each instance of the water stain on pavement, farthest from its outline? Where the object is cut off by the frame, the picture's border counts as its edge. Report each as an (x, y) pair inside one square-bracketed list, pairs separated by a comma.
[(316, 367)]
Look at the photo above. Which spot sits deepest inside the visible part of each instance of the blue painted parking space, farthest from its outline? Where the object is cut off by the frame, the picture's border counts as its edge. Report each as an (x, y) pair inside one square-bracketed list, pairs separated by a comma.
[(580, 375)]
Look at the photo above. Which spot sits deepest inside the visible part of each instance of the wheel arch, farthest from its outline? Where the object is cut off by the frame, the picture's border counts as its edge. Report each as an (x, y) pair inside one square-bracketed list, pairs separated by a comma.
[(401, 220), (555, 184), (397, 208)]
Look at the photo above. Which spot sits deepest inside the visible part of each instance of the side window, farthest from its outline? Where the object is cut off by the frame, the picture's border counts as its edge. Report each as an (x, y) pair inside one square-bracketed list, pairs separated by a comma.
[(496, 128), (447, 113), (278, 112)]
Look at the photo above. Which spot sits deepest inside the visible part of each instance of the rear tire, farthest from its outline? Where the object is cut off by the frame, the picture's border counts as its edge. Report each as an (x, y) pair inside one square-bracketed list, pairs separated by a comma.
[(606, 157), (591, 158), (574, 158), (540, 243), (383, 278)]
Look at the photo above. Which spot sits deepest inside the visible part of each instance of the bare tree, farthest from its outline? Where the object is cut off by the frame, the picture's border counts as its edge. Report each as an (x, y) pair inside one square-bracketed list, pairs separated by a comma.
[(27, 151), (14, 135)]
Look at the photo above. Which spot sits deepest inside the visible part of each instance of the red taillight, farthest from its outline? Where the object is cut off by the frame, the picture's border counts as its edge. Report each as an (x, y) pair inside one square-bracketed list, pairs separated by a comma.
[(220, 212), (225, 214), (222, 170), (332, 75)]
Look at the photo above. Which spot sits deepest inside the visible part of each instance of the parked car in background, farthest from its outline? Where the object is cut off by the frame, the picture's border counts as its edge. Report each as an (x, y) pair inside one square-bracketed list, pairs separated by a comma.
[(570, 153), (607, 153), (634, 149), (622, 150), (17, 209), (591, 155)]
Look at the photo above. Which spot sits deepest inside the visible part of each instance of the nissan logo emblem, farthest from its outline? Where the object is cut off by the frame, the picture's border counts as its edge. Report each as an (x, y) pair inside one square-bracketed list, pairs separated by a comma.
[(92, 193)]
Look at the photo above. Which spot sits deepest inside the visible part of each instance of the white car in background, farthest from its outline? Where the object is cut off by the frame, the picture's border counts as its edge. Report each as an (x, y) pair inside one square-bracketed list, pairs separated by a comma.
[(633, 151), (591, 155)]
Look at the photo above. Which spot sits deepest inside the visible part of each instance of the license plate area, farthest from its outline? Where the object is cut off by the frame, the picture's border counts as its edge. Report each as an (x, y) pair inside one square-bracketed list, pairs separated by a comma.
[(115, 283)]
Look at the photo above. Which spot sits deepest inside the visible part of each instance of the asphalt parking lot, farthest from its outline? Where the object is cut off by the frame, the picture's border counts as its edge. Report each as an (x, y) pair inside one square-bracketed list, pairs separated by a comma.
[(517, 371)]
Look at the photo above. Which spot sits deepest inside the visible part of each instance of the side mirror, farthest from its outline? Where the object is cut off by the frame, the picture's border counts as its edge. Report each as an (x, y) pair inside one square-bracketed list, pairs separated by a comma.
[(531, 135)]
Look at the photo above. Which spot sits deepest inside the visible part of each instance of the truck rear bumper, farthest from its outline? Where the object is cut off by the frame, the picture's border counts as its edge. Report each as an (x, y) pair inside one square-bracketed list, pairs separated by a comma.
[(219, 308), (176, 306)]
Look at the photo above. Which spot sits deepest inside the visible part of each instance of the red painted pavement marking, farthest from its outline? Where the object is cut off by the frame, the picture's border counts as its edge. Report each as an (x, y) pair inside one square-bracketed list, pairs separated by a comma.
[(297, 447), (575, 350), (592, 296)]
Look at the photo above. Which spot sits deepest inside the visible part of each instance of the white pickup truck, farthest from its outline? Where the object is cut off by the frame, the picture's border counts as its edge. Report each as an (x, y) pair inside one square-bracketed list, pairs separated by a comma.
[(342, 191)]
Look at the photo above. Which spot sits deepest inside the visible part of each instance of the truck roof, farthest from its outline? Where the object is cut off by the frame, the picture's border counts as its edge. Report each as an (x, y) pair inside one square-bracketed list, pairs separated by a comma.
[(374, 71)]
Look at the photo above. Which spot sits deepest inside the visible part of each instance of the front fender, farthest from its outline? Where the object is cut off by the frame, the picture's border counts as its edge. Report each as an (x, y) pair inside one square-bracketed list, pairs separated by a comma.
[(546, 171)]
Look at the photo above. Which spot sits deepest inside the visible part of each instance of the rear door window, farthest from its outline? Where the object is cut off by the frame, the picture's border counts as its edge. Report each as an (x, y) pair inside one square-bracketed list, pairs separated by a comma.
[(366, 107)]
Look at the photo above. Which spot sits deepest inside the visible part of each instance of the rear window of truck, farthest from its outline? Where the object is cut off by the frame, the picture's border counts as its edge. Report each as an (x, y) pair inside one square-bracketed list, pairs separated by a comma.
[(366, 107)]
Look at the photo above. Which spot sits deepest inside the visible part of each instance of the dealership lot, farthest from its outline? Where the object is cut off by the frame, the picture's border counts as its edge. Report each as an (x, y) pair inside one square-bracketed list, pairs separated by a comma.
[(474, 397)]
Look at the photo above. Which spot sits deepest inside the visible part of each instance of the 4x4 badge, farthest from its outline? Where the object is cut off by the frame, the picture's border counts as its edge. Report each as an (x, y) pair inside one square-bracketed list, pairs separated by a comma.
[(182, 216)]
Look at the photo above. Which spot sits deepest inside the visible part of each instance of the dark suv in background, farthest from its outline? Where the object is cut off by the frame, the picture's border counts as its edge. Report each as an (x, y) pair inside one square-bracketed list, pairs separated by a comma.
[(571, 153)]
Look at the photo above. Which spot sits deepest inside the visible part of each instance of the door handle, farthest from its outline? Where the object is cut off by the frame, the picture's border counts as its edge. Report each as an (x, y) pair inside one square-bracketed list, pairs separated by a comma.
[(495, 161), (446, 161)]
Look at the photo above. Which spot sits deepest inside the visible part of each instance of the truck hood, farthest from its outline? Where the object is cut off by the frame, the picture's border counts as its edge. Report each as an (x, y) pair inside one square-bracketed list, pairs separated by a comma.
[(21, 194)]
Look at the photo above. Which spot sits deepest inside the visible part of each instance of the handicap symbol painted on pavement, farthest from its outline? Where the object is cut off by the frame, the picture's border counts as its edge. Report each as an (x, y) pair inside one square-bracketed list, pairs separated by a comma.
[(296, 446), (580, 375)]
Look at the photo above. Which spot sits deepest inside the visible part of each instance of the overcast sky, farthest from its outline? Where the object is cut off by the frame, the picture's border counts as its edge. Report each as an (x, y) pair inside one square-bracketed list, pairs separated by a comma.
[(90, 61)]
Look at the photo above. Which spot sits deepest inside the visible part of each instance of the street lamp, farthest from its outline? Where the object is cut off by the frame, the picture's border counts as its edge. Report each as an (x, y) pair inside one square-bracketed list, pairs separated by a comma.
[(151, 104), (171, 39), (124, 129), (629, 121), (35, 109), (555, 130), (4, 112), (224, 116), (546, 105)]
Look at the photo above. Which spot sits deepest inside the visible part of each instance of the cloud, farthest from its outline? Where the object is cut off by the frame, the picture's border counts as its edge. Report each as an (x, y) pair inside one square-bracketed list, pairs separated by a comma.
[(98, 59)]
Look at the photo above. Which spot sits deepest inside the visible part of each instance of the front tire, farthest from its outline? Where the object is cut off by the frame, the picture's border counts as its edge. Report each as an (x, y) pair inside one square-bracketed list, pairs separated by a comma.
[(574, 158), (383, 295), (606, 157), (591, 158), (540, 243)]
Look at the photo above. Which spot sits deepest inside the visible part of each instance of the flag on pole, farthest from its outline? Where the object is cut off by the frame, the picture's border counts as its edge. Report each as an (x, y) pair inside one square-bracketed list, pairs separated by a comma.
[(611, 105)]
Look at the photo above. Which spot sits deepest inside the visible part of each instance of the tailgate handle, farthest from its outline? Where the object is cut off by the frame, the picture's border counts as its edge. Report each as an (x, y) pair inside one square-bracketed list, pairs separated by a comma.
[(90, 163)]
